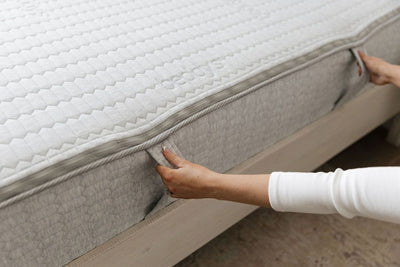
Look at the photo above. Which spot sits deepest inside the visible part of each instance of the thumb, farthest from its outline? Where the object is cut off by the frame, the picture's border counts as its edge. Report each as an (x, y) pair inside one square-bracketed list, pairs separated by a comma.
[(173, 158)]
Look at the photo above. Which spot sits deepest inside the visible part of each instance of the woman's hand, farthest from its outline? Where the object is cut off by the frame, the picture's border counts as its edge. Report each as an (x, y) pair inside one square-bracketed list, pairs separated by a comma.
[(189, 180), (381, 72)]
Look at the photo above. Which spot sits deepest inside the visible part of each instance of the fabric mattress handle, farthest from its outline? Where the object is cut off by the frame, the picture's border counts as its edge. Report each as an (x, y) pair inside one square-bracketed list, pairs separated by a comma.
[(362, 79), (360, 63), (156, 153)]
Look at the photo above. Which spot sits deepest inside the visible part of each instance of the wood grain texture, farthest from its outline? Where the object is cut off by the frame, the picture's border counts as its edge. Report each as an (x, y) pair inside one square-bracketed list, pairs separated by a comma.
[(176, 231)]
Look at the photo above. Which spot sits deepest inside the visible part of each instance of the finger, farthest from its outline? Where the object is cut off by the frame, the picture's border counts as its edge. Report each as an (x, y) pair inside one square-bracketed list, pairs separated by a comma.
[(173, 158), (166, 173), (362, 55)]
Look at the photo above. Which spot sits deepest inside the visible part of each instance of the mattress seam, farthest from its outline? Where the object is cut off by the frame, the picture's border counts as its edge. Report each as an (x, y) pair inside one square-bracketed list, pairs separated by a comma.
[(13, 192)]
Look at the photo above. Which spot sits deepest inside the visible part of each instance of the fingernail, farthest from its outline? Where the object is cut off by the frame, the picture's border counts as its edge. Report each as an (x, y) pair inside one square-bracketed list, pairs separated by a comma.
[(164, 148)]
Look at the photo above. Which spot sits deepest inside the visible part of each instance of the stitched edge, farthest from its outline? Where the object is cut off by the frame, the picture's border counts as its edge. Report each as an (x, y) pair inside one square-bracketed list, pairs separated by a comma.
[(116, 149)]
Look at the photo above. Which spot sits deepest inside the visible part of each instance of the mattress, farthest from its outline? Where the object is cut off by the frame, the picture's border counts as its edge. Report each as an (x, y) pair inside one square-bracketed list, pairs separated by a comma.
[(91, 89)]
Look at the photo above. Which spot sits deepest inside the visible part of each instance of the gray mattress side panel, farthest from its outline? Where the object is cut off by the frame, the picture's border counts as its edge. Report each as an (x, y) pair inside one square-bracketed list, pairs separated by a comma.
[(56, 225), (65, 221)]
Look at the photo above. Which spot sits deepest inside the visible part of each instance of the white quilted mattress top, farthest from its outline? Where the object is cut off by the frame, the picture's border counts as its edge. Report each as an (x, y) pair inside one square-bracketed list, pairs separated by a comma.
[(78, 75)]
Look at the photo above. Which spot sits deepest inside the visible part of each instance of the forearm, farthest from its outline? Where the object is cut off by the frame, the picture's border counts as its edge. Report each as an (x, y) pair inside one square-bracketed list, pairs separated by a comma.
[(366, 192), (250, 189)]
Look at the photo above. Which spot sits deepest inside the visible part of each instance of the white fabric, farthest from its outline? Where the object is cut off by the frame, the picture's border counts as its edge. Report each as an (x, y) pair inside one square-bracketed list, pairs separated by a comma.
[(75, 75), (368, 192)]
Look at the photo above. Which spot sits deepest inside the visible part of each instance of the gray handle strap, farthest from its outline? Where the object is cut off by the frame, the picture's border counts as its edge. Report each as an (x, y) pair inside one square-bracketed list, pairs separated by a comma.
[(156, 153), (360, 63), (355, 84)]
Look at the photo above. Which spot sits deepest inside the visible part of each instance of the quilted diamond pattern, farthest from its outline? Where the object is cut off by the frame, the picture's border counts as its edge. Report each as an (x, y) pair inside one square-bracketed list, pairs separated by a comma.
[(78, 74)]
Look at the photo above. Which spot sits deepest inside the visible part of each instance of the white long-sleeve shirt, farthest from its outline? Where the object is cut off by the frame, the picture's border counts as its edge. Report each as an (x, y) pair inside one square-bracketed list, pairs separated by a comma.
[(368, 192)]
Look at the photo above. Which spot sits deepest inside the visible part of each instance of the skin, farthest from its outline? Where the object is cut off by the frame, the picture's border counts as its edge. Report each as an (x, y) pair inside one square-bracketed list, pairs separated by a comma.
[(190, 180), (381, 72)]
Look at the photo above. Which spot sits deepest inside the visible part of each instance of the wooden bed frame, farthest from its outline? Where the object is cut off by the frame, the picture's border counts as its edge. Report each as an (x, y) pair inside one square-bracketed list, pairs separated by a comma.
[(174, 232)]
